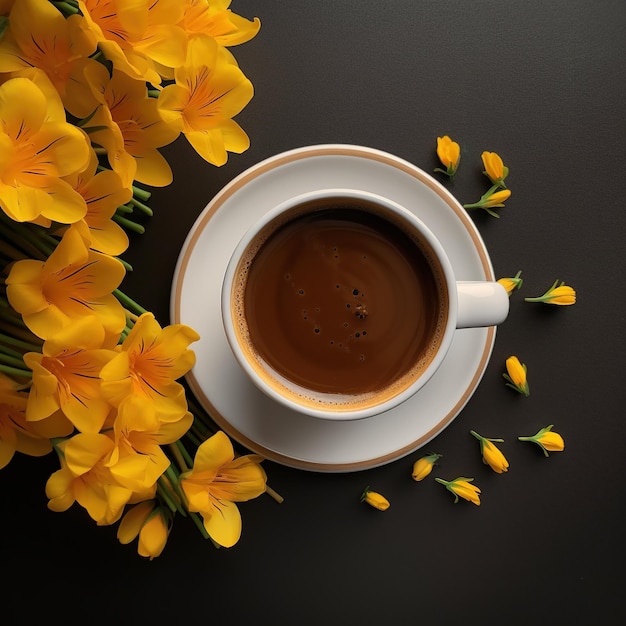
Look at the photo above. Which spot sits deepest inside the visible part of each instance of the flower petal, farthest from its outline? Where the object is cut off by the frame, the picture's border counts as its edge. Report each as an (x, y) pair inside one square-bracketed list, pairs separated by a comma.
[(224, 526)]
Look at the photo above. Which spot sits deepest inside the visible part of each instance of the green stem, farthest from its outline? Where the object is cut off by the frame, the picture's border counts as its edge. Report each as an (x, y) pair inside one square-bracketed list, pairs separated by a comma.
[(11, 361), (67, 8), (129, 303), (31, 238), (198, 522), (193, 437), (11, 253), (127, 266), (142, 207), (14, 371), (14, 325), (140, 193), (18, 343), (164, 494), (172, 475), (185, 461), (180, 456), (128, 224), (4, 349)]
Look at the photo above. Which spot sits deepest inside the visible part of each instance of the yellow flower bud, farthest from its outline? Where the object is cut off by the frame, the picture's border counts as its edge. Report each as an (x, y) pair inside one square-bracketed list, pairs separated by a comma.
[(492, 456), (495, 169), (560, 294), (497, 198), (513, 283), (449, 153), (491, 199), (516, 376), (375, 499), (424, 466), (462, 487), (547, 440)]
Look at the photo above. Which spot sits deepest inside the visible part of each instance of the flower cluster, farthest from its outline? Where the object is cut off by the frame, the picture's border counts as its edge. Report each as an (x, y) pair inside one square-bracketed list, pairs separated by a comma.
[(516, 374), (90, 91), (463, 487), (449, 153)]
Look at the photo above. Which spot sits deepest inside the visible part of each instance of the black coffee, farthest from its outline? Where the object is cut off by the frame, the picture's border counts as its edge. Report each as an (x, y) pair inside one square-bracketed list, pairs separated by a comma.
[(341, 301)]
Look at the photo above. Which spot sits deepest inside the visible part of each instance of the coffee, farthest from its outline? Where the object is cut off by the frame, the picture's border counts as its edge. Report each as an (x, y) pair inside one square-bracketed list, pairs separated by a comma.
[(339, 304)]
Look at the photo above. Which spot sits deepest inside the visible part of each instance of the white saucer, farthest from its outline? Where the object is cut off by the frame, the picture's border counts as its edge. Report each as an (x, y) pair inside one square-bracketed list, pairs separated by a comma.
[(233, 402)]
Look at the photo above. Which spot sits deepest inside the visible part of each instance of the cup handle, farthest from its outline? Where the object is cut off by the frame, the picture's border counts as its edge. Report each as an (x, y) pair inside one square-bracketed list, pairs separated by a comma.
[(481, 303)]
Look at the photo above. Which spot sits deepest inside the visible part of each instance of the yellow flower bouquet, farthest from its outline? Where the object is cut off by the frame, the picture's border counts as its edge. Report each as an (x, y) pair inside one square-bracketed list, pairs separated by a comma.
[(90, 90)]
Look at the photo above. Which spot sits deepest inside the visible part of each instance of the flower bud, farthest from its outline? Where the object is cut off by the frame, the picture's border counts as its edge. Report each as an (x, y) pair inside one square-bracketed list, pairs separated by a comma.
[(462, 487), (375, 499), (449, 153), (495, 169), (512, 283), (424, 466), (547, 440), (560, 294), (492, 456), (516, 376)]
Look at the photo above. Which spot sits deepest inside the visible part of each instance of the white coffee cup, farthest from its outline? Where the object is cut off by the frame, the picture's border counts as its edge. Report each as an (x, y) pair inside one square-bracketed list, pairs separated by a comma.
[(314, 253)]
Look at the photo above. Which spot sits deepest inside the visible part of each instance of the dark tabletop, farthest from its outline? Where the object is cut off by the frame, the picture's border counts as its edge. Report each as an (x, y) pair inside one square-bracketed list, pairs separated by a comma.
[(541, 83)]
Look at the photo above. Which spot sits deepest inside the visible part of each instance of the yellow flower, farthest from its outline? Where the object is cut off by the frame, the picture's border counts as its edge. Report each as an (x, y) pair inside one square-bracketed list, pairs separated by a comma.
[(38, 148), (103, 192), (149, 522), (513, 283), (547, 440), (491, 454), (17, 434), (516, 376), (495, 169), (85, 478), (74, 282), (209, 91), (39, 36), (140, 430), (449, 153), (559, 293), (214, 19), (127, 112), (137, 36), (492, 199), (462, 487), (375, 499), (65, 376), (424, 466), (149, 362), (216, 482)]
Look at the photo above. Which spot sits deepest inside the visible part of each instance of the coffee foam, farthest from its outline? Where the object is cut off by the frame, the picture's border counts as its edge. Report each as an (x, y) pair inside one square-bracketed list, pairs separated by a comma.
[(302, 395)]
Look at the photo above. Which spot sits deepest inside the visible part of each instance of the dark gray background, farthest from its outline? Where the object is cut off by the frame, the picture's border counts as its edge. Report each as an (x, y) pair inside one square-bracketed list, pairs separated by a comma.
[(541, 83)]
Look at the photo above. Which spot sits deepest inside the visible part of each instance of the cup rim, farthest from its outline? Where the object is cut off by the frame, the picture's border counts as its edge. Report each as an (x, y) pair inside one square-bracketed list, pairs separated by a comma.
[(339, 413)]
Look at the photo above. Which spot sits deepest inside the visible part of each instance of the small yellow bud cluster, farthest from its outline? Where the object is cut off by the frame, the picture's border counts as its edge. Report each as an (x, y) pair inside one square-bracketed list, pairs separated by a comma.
[(516, 375), (559, 294)]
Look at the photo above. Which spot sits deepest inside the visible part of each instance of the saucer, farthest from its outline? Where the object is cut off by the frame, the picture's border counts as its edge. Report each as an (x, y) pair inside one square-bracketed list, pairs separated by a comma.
[(220, 385)]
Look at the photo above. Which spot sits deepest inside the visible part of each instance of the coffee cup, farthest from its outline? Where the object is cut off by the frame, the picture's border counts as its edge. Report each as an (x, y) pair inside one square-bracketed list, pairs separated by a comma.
[(341, 304)]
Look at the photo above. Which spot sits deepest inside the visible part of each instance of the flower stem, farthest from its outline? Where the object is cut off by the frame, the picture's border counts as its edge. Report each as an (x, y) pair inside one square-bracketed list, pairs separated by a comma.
[(164, 493), (181, 456), (198, 522), (143, 207), (128, 224), (129, 303), (142, 194), (67, 8), (270, 492), (15, 371)]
